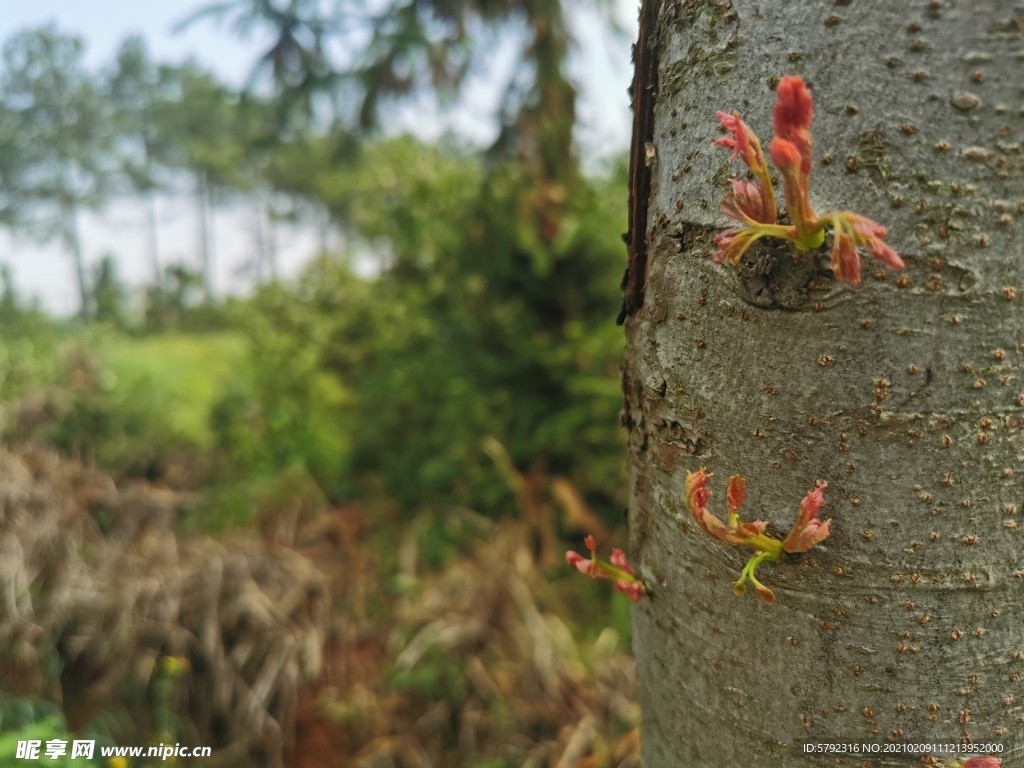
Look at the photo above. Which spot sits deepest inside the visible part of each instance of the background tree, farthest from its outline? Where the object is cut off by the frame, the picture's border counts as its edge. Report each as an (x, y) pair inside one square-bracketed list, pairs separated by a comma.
[(136, 86), (904, 394), (468, 373), (402, 48), (257, 140), (510, 251), (200, 116), (108, 293), (59, 128), (171, 302)]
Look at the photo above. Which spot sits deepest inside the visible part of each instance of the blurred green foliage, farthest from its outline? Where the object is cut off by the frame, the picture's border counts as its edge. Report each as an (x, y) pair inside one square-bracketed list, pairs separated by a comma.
[(185, 374), (25, 719), (476, 325), (464, 326), (471, 299), (30, 719), (465, 321), (51, 728)]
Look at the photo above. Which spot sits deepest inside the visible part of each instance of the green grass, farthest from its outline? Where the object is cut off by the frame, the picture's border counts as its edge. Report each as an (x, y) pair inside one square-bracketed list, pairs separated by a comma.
[(186, 374)]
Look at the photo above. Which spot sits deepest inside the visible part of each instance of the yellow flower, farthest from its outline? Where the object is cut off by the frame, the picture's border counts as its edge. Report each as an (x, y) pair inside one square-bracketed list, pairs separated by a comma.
[(173, 666)]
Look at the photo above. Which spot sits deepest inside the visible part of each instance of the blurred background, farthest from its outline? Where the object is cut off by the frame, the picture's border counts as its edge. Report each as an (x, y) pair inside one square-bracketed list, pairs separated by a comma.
[(308, 379)]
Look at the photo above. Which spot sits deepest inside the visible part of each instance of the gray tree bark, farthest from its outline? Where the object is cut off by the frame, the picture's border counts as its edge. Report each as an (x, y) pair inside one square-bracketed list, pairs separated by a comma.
[(906, 395)]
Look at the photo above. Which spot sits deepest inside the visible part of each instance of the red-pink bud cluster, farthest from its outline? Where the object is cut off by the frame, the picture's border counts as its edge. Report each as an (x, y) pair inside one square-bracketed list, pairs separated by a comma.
[(752, 203), (619, 570), (807, 531), (982, 762)]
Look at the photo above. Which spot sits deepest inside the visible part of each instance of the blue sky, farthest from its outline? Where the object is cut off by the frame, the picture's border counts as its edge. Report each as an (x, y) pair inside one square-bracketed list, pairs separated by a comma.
[(105, 23), (600, 65)]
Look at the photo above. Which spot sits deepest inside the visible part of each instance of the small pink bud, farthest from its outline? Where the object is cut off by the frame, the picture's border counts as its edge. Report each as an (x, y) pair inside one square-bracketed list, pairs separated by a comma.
[(852, 231), (619, 561), (743, 142), (581, 564), (619, 570), (735, 494), (697, 502), (812, 503), (746, 204), (756, 201), (763, 593), (727, 242), (733, 243), (982, 762), (866, 227), (697, 493), (794, 109), (845, 261), (752, 529), (635, 590), (752, 203), (808, 530), (885, 254), (792, 119), (813, 533), (784, 154)]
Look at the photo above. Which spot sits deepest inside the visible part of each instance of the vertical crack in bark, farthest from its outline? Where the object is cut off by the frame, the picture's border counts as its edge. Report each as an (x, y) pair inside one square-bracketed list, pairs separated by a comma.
[(644, 93)]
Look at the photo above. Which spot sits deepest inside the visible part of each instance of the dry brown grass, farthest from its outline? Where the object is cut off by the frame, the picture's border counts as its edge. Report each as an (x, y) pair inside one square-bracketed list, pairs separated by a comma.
[(303, 650), (476, 666), (93, 577)]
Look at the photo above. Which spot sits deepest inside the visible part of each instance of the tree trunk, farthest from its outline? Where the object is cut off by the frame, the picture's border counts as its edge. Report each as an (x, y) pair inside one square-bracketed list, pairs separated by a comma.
[(74, 242), (153, 229), (204, 200), (324, 231), (266, 242), (904, 394), (261, 249), (270, 239)]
